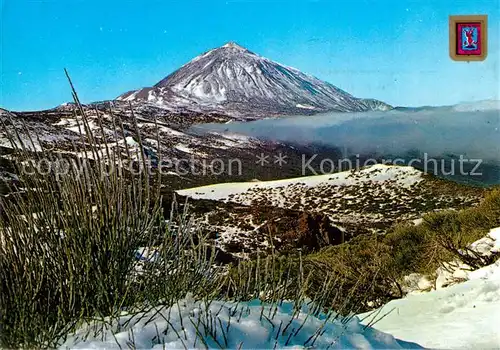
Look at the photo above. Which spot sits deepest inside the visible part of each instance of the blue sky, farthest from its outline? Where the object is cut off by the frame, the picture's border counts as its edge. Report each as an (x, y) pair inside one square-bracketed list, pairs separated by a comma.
[(392, 50)]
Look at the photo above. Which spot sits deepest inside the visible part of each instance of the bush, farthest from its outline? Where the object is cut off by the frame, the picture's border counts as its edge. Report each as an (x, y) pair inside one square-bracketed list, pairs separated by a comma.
[(70, 246), (79, 250), (364, 265), (411, 249), (350, 278), (491, 207), (370, 269)]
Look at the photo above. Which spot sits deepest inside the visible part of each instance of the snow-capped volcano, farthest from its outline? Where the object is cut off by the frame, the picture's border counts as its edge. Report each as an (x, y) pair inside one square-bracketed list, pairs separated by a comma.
[(233, 79)]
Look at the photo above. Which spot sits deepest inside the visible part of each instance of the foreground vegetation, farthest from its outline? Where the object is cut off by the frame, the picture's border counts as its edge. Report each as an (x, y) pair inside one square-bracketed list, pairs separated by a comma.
[(92, 242), (375, 265)]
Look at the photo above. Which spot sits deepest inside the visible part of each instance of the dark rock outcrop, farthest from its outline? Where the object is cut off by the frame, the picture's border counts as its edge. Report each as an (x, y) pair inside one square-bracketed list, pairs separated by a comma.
[(309, 232)]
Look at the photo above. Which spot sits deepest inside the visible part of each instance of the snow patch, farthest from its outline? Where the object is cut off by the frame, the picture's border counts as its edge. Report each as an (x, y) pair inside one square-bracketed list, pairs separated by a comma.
[(456, 270), (465, 315), (250, 331), (183, 148), (404, 176), (298, 105)]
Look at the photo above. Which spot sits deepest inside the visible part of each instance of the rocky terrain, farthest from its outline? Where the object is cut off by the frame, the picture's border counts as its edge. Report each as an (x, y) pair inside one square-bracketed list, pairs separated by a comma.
[(187, 159), (246, 211), (251, 208), (317, 211)]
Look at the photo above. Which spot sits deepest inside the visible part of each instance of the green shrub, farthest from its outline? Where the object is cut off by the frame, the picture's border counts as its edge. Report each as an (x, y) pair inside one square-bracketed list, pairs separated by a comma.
[(411, 249), (69, 246), (349, 278), (363, 264), (444, 236), (370, 268), (491, 207)]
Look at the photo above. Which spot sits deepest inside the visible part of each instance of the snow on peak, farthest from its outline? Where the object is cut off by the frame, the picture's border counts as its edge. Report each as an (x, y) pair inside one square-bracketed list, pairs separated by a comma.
[(233, 79), (234, 45)]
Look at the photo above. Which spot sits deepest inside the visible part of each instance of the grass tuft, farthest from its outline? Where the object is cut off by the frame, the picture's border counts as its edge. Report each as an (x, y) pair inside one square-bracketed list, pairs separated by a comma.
[(82, 248)]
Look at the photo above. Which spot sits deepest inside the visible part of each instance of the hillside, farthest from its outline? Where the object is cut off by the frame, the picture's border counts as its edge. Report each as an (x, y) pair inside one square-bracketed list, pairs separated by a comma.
[(327, 209)]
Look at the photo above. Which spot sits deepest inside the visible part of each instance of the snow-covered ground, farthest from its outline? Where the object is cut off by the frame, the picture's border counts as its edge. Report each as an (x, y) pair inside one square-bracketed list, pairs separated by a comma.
[(361, 201), (464, 315), (402, 175), (233, 326), (457, 270)]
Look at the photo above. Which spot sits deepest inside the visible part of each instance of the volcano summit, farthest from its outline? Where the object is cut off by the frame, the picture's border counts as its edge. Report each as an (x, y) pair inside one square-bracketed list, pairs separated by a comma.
[(233, 80)]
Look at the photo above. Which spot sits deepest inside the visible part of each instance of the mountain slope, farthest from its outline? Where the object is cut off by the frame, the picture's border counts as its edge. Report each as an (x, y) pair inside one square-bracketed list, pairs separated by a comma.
[(233, 79), (363, 201)]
